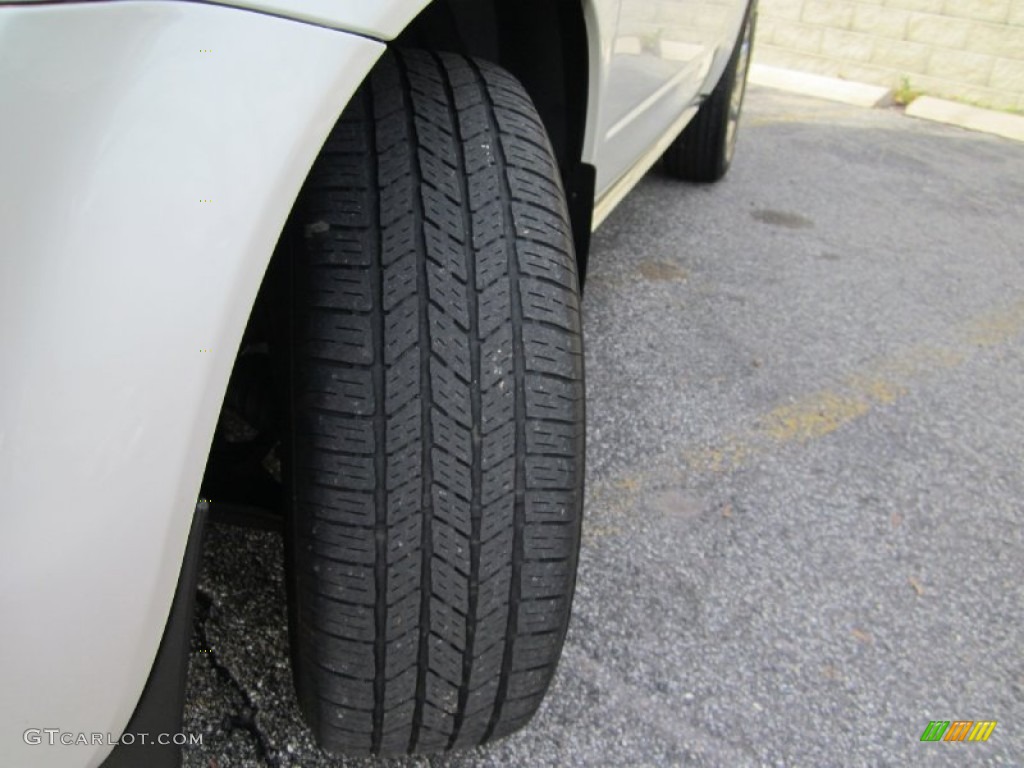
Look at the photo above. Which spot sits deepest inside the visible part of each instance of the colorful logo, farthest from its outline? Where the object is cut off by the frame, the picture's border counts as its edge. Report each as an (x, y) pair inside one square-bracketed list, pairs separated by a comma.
[(958, 730)]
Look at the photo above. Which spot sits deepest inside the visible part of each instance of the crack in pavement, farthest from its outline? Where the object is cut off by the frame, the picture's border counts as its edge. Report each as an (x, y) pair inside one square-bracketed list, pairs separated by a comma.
[(245, 720)]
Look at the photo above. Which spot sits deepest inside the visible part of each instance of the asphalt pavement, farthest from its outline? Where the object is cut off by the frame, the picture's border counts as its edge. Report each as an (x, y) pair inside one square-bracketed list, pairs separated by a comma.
[(803, 530)]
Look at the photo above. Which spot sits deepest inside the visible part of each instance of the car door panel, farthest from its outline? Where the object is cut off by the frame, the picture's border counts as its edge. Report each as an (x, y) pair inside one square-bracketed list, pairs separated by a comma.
[(656, 57)]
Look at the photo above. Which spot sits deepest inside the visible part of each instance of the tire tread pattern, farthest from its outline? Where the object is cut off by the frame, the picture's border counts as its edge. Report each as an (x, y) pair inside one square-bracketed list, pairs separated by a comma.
[(437, 383)]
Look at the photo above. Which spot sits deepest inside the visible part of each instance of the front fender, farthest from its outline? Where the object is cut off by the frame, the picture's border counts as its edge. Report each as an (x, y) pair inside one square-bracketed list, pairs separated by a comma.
[(379, 19), (149, 155)]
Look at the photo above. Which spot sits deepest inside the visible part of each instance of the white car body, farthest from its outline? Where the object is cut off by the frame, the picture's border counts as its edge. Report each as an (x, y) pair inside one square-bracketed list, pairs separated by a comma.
[(150, 152)]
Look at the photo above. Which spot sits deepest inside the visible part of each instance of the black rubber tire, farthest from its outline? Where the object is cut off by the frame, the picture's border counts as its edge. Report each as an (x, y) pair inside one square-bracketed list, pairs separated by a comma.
[(437, 414), (704, 150)]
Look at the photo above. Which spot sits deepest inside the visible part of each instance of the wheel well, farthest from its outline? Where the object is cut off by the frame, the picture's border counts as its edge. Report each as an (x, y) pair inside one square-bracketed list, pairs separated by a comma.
[(544, 44)]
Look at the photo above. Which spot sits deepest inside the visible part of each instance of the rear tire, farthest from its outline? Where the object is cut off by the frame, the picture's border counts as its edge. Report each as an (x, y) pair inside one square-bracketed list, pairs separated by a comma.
[(437, 414), (704, 150)]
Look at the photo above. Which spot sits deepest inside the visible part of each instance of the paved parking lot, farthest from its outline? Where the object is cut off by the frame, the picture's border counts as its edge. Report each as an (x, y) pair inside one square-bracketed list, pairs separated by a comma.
[(805, 489)]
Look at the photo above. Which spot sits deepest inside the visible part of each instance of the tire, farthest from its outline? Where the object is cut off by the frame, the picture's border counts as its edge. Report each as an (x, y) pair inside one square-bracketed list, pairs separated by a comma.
[(704, 150), (437, 414)]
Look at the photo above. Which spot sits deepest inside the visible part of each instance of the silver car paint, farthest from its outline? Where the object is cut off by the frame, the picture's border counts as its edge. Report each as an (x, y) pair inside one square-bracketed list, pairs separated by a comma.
[(114, 279)]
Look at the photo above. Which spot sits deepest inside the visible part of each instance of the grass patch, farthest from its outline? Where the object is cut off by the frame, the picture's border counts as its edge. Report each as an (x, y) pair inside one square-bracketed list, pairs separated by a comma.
[(905, 93)]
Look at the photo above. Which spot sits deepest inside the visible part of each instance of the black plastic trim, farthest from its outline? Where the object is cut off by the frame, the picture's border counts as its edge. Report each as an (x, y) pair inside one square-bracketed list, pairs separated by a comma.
[(579, 192), (161, 706)]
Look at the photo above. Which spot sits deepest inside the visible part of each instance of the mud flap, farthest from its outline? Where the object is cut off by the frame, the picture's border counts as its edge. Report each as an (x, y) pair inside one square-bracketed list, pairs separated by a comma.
[(162, 703)]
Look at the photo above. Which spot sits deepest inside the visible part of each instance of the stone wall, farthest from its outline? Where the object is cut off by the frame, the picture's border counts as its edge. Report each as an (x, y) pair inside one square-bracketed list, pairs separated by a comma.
[(969, 50)]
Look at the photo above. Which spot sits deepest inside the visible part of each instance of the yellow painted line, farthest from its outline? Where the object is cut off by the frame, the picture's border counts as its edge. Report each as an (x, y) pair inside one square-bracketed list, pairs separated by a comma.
[(812, 417), (818, 414), (996, 328)]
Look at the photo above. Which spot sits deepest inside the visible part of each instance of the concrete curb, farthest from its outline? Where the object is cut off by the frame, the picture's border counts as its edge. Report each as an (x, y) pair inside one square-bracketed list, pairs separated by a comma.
[(831, 88), (973, 118), (864, 95)]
